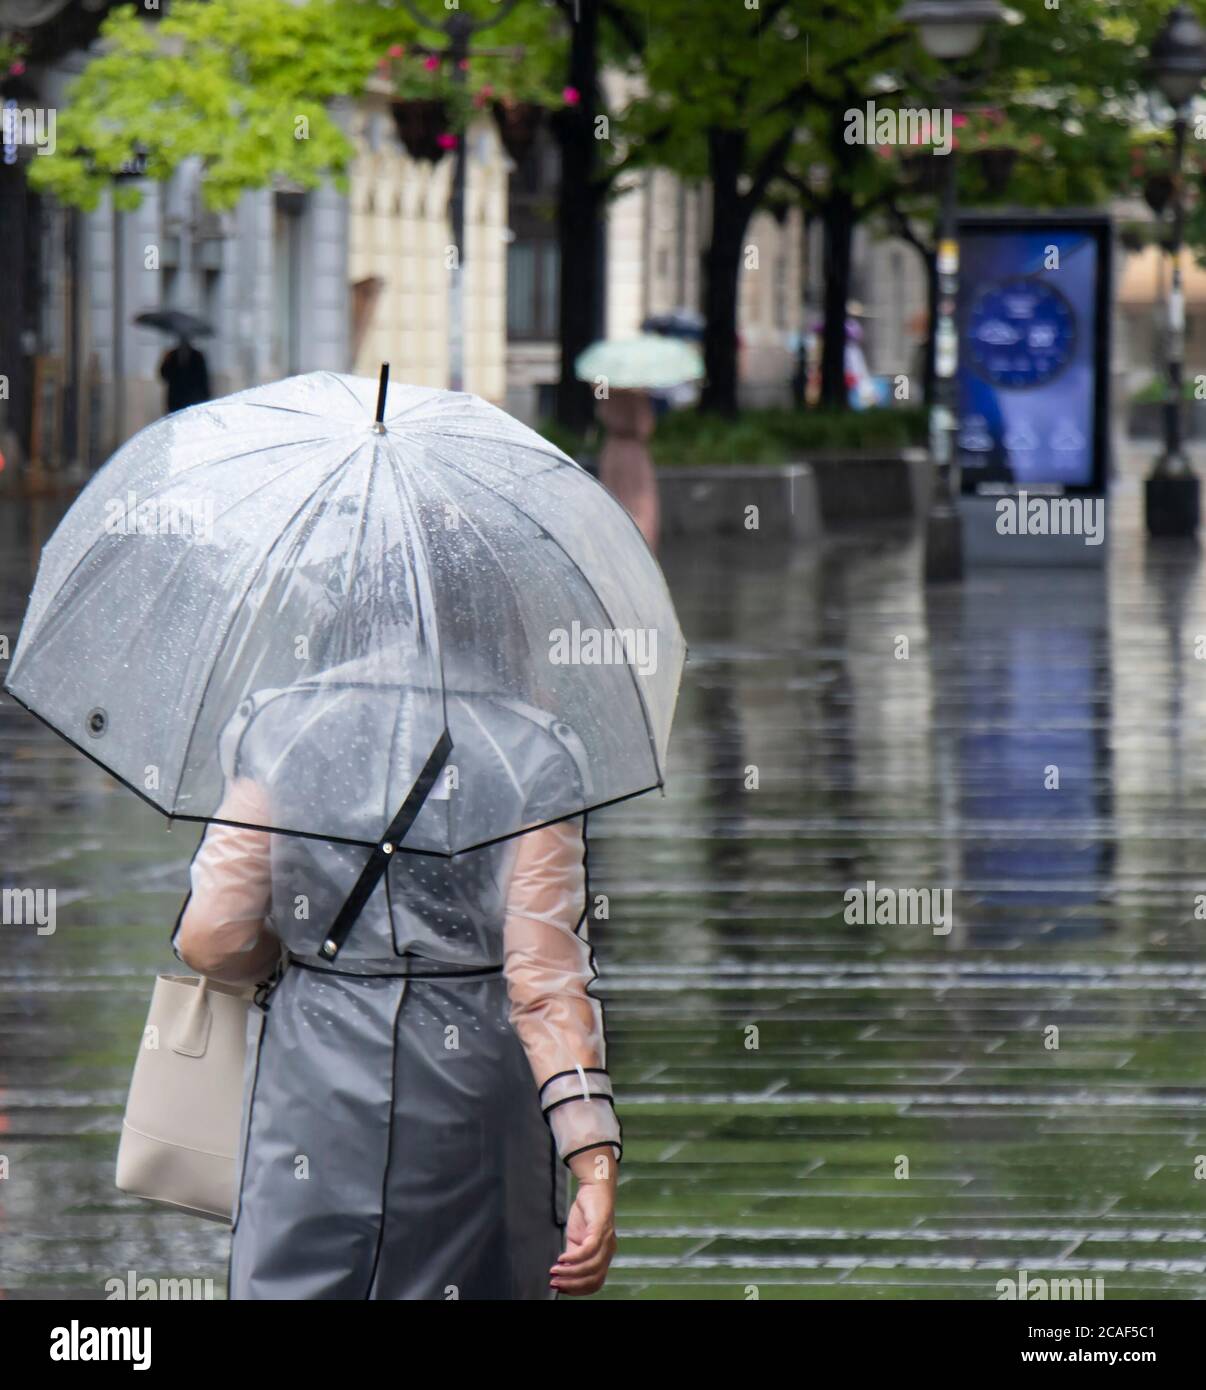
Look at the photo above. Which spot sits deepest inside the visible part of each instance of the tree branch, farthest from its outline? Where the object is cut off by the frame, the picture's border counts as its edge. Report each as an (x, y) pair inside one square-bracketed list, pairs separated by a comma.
[(904, 228), (623, 24), (768, 167), (475, 27)]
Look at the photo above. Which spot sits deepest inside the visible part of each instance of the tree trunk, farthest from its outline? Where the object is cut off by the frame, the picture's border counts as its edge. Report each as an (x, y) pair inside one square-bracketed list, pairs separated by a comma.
[(838, 223), (722, 270), (578, 220)]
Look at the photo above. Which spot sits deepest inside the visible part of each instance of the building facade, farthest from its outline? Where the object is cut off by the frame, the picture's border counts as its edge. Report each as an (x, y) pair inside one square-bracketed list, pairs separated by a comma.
[(294, 281)]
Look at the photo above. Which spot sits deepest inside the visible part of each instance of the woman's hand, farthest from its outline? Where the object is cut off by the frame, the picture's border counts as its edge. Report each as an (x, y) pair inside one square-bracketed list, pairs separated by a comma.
[(590, 1233)]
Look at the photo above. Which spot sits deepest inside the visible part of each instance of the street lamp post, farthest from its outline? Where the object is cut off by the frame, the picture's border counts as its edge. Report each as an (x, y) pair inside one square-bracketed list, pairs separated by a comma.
[(949, 30), (1176, 67), (458, 29)]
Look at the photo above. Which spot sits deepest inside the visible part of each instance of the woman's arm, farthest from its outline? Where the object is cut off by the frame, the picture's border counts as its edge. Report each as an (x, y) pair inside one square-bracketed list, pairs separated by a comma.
[(221, 932), (547, 963), (548, 970)]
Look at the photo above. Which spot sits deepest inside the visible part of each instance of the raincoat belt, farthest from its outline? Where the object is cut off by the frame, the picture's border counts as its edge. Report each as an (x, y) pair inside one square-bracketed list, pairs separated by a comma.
[(409, 967), (401, 967)]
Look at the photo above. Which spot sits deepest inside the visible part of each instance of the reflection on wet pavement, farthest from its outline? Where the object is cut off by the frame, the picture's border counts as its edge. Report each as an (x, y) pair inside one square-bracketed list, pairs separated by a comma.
[(812, 1108)]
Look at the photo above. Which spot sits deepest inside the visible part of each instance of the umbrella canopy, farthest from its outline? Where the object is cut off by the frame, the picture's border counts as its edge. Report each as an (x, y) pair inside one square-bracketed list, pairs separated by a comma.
[(648, 362), (441, 589), (178, 322)]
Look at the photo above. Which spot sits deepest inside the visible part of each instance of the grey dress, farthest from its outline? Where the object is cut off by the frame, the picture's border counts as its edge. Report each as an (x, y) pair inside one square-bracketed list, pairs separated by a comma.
[(393, 1143)]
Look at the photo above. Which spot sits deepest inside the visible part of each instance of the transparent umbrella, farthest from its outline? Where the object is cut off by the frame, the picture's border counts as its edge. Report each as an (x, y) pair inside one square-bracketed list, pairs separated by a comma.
[(428, 591), (648, 362)]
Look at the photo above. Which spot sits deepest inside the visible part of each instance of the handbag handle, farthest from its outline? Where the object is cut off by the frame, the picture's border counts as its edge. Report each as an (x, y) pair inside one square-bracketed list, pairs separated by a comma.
[(192, 1032)]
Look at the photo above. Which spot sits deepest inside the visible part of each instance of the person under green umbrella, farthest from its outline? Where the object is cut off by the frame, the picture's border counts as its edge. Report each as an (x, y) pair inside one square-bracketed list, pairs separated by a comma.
[(623, 372)]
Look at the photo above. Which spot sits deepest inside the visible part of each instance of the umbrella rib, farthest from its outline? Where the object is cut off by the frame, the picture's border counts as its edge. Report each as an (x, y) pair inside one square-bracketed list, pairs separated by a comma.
[(408, 409), (549, 450), (485, 540), (307, 722), (302, 506), (364, 502), (657, 766), (241, 501), (246, 454), (44, 627), (406, 502), (493, 742), (402, 491), (477, 531), (335, 376), (288, 409)]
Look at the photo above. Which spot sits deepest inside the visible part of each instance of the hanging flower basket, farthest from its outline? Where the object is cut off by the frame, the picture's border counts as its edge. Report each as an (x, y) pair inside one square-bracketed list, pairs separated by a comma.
[(518, 123), (1157, 190), (423, 127)]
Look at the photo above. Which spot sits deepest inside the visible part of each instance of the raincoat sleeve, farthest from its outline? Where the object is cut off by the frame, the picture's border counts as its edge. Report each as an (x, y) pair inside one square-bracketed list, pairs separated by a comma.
[(548, 969), (221, 931)]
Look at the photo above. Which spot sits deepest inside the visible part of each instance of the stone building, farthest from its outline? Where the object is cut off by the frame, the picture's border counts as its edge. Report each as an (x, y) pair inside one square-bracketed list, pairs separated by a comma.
[(294, 281)]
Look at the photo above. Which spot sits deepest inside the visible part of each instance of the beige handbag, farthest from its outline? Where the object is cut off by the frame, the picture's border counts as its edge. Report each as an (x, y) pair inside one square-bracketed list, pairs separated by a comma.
[(184, 1112)]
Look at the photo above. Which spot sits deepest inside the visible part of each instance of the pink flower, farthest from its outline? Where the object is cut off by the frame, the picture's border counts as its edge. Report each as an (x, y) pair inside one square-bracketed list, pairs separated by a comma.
[(960, 119), (571, 96), (446, 141), (396, 50), (16, 68), (431, 63), (464, 65)]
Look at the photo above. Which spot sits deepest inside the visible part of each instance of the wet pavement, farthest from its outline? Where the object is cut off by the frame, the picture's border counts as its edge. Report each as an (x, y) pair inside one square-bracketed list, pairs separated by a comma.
[(812, 1107)]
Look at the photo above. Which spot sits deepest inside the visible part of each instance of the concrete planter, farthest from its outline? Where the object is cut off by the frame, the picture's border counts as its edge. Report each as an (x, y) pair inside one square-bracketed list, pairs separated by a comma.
[(1145, 420), (712, 501), (859, 488)]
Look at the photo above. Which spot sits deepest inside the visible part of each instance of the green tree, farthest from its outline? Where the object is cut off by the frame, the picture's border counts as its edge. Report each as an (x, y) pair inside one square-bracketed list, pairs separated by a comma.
[(725, 87), (246, 86)]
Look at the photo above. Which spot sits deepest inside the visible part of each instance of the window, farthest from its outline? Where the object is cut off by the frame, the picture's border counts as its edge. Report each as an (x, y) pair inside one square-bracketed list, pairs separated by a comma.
[(532, 285), (533, 257)]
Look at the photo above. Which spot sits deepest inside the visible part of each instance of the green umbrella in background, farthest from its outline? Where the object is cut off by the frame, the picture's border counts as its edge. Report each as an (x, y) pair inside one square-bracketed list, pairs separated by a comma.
[(648, 362)]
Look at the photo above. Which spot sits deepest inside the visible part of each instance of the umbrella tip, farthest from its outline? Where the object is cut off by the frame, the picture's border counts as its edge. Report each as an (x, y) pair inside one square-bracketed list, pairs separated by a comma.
[(381, 390)]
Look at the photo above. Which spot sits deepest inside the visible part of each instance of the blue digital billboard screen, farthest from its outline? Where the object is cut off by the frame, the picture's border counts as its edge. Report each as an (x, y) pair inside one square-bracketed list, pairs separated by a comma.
[(1032, 378)]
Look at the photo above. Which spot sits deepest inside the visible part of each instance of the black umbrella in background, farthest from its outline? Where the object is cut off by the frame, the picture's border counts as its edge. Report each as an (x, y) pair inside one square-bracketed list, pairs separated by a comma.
[(175, 321), (678, 323)]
